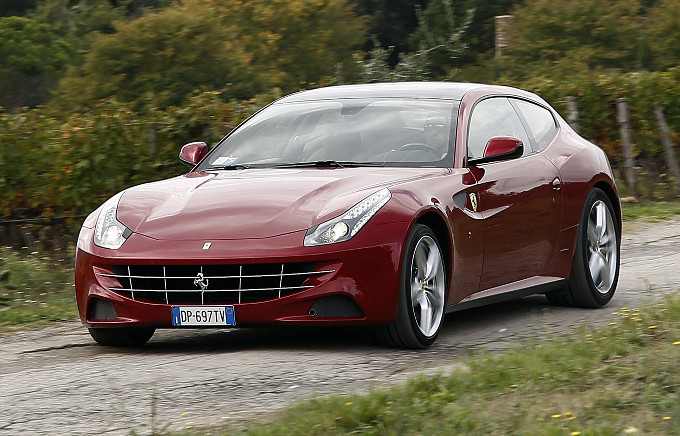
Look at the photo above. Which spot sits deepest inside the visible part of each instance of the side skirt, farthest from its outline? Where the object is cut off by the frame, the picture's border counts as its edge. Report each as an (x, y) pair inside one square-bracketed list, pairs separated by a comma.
[(510, 291)]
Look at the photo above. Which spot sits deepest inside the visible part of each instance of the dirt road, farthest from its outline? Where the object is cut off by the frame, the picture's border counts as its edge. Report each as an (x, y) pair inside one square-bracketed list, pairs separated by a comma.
[(56, 381)]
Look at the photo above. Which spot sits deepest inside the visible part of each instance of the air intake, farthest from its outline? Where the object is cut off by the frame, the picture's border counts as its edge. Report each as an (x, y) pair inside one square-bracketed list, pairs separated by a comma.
[(336, 306)]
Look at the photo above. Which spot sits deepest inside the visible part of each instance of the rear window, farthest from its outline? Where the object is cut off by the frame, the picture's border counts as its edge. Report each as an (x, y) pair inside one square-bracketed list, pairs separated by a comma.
[(540, 121)]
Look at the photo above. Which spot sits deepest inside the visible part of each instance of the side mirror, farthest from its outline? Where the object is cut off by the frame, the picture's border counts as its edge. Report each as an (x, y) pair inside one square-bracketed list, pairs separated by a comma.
[(500, 148), (193, 152)]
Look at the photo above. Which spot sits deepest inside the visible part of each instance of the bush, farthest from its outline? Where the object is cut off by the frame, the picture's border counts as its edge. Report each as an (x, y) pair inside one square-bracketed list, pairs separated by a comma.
[(51, 166)]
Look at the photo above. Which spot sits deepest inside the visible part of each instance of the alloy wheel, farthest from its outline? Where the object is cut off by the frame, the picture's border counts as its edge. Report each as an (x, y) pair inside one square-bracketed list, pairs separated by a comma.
[(427, 286), (602, 247)]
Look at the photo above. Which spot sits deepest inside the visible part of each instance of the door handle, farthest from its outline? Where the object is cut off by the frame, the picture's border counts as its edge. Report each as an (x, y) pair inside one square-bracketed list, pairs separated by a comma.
[(556, 183)]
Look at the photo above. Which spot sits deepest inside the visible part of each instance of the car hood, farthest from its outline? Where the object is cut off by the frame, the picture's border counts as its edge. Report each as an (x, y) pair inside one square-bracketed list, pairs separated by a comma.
[(252, 203)]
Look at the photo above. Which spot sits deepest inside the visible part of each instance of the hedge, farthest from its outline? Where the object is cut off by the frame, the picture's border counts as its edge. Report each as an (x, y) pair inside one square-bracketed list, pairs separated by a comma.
[(67, 166)]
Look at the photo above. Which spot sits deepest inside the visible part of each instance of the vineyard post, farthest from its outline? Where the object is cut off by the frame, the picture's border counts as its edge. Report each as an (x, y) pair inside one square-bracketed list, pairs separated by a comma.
[(572, 112), (623, 117), (153, 138), (671, 161)]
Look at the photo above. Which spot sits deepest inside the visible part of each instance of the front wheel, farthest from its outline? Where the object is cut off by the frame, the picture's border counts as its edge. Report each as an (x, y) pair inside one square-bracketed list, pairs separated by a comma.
[(122, 336), (595, 271), (422, 296)]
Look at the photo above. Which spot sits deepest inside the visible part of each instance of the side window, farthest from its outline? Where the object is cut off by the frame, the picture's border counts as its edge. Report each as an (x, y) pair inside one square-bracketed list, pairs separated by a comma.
[(494, 117), (540, 121)]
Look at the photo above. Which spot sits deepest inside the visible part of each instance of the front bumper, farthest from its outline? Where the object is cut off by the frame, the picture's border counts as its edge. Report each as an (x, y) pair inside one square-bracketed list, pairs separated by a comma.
[(363, 271)]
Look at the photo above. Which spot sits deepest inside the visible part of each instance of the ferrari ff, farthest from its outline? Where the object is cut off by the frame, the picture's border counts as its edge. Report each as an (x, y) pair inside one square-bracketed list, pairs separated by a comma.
[(385, 205)]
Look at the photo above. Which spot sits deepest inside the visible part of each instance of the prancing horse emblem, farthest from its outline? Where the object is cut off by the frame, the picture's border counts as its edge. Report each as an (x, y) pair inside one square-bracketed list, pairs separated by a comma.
[(201, 281), (473, 201)]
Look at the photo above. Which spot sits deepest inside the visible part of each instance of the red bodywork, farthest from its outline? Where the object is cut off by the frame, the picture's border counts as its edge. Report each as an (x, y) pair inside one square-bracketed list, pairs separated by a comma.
[(518, 238)]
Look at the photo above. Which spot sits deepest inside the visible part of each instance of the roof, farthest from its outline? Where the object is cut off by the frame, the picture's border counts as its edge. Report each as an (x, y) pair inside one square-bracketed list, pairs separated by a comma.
[(439, 90)]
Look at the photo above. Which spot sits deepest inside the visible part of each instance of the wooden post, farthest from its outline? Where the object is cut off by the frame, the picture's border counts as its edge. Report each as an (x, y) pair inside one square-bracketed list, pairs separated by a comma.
[(153, 138), (572, 113), (623, 117), (671, 161), (503, 26)]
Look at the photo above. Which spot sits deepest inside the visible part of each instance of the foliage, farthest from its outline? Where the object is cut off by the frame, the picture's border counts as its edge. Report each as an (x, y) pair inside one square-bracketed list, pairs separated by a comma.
[(479, 34), (70, 166), (434, 49), (166, 54), (665, 33), (294, 44), (15, 7), (390, 24), (240, 48), (32, 61), (78, 21), (35, 290), (577, 36)]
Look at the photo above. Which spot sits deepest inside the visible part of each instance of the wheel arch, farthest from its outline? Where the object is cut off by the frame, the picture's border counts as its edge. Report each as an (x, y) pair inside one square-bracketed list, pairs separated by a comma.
[(613, 197), (438, 225)]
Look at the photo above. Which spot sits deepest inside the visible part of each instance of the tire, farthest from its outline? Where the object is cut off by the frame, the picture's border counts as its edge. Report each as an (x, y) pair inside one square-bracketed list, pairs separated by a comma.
[(422, 293), (122, 336), (595, 271)]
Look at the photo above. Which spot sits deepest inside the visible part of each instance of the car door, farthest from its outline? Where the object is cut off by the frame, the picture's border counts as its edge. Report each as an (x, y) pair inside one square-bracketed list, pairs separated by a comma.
[(519, 199)]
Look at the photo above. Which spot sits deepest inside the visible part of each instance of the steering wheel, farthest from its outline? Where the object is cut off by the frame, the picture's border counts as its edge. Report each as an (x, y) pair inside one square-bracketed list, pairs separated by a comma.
[(422, 147)]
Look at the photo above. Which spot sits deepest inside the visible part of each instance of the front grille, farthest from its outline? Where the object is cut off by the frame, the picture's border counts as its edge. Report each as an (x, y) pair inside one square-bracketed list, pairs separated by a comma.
[(211, 284)]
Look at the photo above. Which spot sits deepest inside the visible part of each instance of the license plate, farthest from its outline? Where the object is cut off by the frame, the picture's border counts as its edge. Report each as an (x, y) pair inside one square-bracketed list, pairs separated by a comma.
[(198, 316)]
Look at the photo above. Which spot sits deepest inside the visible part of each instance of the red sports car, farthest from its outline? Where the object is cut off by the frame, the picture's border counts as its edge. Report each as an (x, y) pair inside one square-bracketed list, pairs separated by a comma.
[(382, 204)]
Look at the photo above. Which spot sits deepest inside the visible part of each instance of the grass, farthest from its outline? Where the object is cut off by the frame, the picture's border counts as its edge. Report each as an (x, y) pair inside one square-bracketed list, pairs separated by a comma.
[(621, 379), (648, 210), (35, 290)]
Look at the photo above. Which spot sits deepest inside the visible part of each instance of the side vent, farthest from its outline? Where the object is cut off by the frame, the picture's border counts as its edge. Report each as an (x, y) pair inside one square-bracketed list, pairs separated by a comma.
[(336, 306)]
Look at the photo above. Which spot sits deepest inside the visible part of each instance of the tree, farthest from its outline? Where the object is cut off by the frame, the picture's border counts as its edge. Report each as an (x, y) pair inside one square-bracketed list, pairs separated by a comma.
[(479, 35), (665, 33), (241, 48), (166, 55), (294, 43), (78, 21), (442, 37), (425, 63), (32, 59), (15, 7), (577, 36), (390, 24), (135, 8)]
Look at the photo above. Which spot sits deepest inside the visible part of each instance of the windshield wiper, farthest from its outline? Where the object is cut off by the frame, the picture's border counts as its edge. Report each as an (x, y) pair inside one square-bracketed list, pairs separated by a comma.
[(328, 163), (229, 167)]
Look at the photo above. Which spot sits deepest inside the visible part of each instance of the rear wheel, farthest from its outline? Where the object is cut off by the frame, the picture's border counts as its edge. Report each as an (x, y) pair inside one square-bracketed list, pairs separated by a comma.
[(122, 336), (422, 293), (595, 272)]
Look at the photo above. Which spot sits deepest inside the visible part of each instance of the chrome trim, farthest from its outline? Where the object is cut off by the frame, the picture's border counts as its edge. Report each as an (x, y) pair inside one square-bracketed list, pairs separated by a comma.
[(163, 291), (240, 276), (292, 288)]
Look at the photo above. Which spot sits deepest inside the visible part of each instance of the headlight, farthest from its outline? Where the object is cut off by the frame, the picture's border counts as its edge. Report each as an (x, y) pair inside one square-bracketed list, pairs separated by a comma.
[(348, 224), (109, 232)]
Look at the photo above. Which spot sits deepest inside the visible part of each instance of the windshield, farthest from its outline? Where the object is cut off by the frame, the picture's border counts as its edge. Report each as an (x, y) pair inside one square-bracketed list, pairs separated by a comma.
[(390, 132)]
